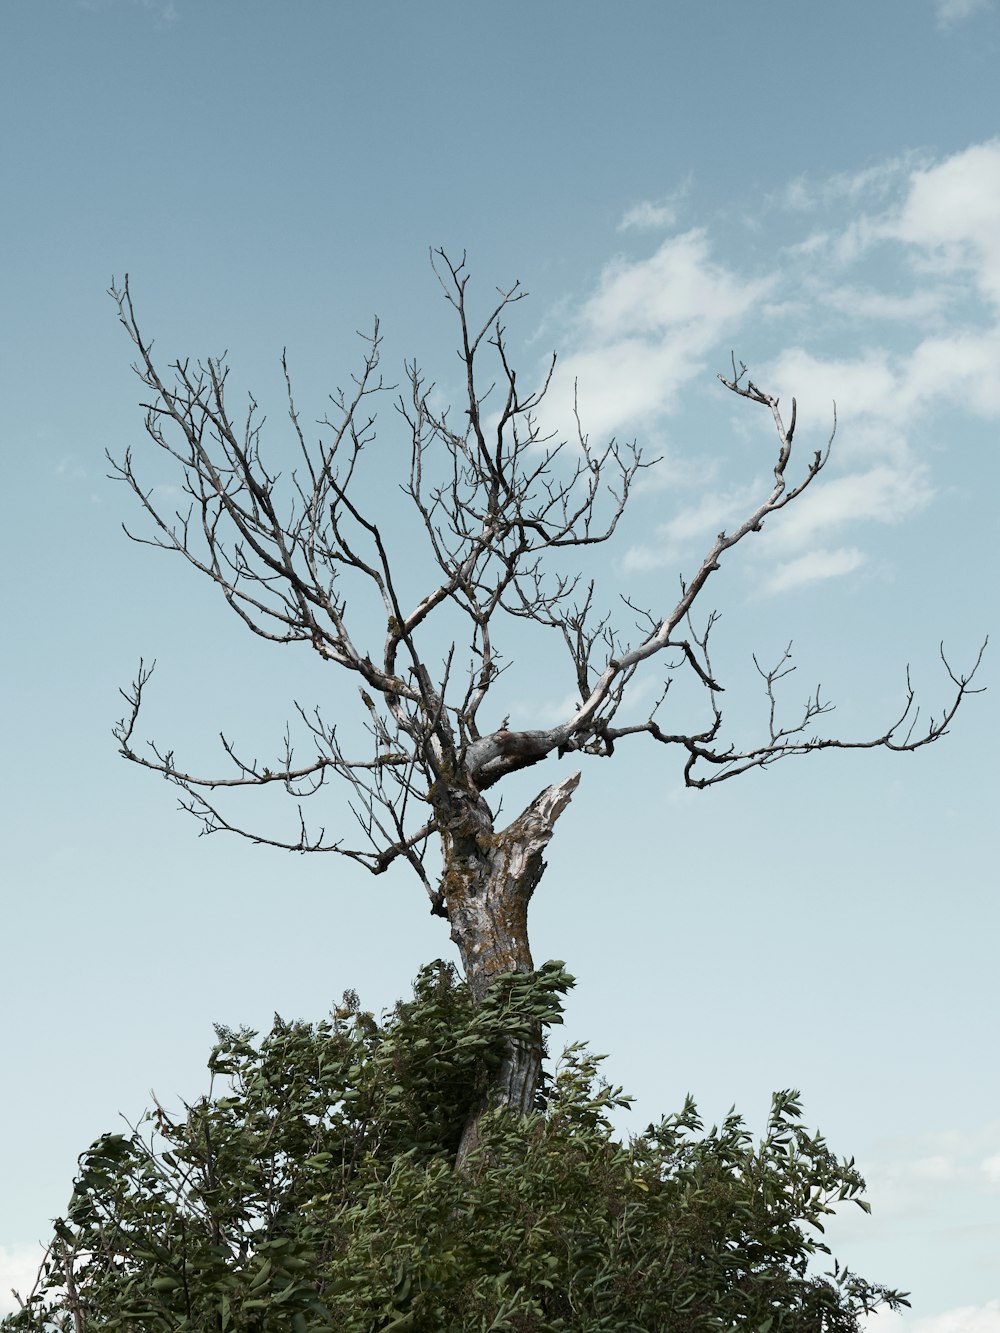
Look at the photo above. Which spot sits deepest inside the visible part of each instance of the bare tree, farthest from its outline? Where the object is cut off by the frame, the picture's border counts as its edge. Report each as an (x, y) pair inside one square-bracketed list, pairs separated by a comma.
[(497, 501)]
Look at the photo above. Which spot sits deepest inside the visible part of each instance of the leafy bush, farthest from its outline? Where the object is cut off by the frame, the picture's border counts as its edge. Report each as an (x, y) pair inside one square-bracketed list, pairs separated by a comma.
[(314, 1188)]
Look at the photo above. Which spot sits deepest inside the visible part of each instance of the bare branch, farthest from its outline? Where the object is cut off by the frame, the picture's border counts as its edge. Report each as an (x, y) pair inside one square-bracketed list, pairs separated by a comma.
[(497, 505)]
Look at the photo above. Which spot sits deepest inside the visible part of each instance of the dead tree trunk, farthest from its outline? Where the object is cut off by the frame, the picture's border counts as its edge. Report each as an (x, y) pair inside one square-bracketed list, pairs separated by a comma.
[(488, 881)]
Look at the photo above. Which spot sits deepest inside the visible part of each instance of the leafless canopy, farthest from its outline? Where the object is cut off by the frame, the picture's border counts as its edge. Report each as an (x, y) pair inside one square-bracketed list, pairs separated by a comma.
[(496, 499)]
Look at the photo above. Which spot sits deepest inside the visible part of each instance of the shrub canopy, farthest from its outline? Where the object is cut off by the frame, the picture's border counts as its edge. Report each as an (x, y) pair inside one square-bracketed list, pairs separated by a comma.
[(314, 1188)]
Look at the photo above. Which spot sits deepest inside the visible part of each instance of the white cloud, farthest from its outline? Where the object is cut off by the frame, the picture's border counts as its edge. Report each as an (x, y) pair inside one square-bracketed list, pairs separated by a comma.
[(646, 331), (945, 215), (641, 558), (678, 287), (70, 469), (943, 218), (623, 383), (672, 469), (857, 238), (891, 308), (163, 11), (886, 493), (813, 568), (641, 695), (961, 367), (938, 1166), (882, 494), (952, 212), (715, 511), (650, 326), (945, 1160), (654, 214), (953, 11), (813, 243), (804, 193), (860, 386), (934, 1190), (710, 515), (864, 303), (798, 195), (18, 1270), (963, 1319), (649, 215), (544, 712)]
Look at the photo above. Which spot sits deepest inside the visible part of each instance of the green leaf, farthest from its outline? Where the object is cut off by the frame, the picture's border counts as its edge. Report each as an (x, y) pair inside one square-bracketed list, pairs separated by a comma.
[(555, 1224)]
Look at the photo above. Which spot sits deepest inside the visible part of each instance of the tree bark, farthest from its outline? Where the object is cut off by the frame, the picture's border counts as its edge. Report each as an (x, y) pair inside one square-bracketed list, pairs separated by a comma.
[(489, 878)]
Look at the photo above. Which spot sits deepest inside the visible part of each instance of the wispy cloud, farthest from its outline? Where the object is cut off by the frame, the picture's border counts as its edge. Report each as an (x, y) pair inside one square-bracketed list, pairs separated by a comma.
[(938, 1166), (940, 1182), (18, 1268), (69, 468), (954, 11), (942, 217), (646, 331), (649, 215), (544, 712), (887, 493), (655, 214), (868, 303), (952, 215), (806, 194), (942, 1159), (904, 271), (963, 1319), (859, 386), (711, 513), (813, 567), (883, 494), (164, 12), (893, 389)]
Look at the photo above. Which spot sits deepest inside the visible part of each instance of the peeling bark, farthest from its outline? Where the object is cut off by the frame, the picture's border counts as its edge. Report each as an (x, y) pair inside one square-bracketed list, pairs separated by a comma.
[(488, 882)]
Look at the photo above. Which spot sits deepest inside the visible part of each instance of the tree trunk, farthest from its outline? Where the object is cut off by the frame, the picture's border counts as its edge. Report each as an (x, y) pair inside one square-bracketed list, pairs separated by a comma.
[(489, 878)]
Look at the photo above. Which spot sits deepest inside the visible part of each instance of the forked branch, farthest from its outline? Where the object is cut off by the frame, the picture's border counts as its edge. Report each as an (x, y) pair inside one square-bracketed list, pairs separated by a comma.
[(496, 501)]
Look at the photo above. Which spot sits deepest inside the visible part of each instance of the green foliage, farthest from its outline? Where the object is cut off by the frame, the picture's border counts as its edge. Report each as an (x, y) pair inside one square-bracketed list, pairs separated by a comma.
[(314, 1188)]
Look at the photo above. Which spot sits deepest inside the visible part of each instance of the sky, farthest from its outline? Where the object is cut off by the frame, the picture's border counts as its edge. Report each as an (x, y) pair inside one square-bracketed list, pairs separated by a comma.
[(815, 189)]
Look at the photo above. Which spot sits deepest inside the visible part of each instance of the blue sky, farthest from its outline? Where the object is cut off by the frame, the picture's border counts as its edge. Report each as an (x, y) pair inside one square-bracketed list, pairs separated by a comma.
[(815, 187)]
